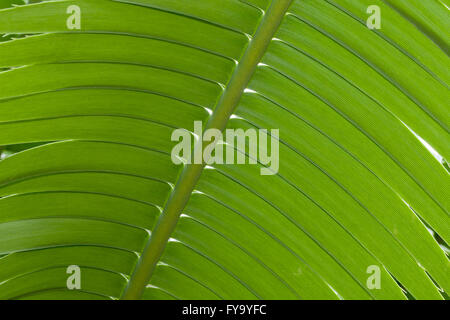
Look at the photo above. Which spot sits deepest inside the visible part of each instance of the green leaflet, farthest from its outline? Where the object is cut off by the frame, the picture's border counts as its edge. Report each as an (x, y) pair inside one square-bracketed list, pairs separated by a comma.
[(93, 183)]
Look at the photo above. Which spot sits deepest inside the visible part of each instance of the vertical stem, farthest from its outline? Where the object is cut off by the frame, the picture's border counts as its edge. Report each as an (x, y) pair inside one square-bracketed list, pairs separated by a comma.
[(191, 173)]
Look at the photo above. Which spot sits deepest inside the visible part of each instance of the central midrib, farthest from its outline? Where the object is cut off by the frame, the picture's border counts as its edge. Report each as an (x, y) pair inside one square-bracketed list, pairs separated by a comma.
[(191, 173)]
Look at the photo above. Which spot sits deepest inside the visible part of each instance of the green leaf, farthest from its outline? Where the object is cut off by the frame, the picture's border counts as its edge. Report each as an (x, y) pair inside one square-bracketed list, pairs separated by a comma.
[(86, 176)]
